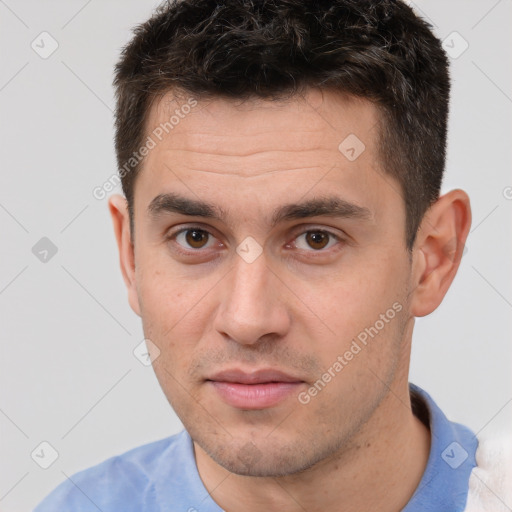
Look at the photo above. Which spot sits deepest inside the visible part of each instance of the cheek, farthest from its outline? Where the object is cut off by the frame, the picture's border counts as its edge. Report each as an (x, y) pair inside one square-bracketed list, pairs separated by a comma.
[(363, 305), (176, 309), (163, 295)]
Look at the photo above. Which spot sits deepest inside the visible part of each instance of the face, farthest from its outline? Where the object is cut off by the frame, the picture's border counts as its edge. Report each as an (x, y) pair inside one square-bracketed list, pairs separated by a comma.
[(271, 273)]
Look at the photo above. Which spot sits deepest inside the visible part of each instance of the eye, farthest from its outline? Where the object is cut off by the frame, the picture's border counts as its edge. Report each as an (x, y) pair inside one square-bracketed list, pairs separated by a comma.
[(193, 238), (316, 239)]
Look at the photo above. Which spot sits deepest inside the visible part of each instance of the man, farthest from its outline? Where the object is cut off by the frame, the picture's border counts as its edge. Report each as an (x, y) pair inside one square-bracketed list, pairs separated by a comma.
[(281, 228)]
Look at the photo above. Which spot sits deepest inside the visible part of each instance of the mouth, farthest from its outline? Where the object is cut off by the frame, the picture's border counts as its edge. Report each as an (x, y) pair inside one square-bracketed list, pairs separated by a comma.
[(260, 389)]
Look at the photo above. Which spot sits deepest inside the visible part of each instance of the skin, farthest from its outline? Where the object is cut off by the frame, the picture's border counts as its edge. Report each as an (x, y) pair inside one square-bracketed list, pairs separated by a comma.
[(355, 445)]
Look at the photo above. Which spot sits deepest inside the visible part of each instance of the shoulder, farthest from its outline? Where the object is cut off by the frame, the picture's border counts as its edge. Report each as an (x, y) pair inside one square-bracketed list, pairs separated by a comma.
[(121, 482), (490, 485)]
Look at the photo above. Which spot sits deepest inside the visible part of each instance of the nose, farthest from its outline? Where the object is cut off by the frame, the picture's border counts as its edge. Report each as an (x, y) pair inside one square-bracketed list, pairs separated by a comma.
[(252, 305)]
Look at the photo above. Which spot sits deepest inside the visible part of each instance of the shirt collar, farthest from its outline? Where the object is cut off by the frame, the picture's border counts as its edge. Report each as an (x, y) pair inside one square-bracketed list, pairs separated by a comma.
[(445, 481)]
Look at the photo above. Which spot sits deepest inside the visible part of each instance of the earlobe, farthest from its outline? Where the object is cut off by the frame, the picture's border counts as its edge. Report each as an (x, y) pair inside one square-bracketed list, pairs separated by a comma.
[(118, 208), (438, 250)]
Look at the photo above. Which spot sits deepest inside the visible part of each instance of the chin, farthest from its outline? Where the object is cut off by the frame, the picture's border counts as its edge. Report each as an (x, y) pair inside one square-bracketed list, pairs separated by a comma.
[(263, 458)]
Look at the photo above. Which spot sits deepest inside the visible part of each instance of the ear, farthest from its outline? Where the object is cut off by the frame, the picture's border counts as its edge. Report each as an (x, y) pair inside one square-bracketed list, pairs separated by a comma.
[(118, 207), (438, 250)]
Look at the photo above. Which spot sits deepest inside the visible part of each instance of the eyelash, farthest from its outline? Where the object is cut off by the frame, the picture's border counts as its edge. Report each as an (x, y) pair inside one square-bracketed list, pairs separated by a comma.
[(172, 238)]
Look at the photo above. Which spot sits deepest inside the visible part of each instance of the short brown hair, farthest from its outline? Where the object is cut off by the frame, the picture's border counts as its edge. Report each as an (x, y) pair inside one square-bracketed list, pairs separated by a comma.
[(272, 49)]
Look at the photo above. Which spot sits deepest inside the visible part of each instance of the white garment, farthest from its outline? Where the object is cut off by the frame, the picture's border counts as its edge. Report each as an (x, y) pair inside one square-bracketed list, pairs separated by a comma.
[(490, 482)]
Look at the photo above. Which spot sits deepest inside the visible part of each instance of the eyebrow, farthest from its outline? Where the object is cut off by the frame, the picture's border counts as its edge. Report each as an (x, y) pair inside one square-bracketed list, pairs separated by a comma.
[(330, 206)]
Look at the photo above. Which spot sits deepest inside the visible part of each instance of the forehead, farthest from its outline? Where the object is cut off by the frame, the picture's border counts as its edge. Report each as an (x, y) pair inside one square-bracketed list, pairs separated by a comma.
[(318, 121), (245, 155)]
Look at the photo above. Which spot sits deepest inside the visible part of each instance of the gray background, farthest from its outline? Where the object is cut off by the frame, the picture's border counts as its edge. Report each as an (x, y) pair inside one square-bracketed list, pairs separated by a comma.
[(67, 372)]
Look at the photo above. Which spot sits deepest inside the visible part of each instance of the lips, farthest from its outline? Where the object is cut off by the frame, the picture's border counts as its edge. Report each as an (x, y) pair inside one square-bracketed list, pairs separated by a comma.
[(256, 377), (260, 389)]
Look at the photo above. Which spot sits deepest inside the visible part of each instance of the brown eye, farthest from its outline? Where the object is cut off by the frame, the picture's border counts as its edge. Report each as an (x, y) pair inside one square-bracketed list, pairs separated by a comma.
[(196, 238), (194, 242), (317, 239)]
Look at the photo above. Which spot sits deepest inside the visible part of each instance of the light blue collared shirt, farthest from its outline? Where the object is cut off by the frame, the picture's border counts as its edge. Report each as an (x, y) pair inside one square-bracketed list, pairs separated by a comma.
[(162, 476)]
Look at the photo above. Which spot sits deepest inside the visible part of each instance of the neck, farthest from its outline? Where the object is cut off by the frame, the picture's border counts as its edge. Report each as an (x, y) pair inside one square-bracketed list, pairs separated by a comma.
[(380, 469)]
